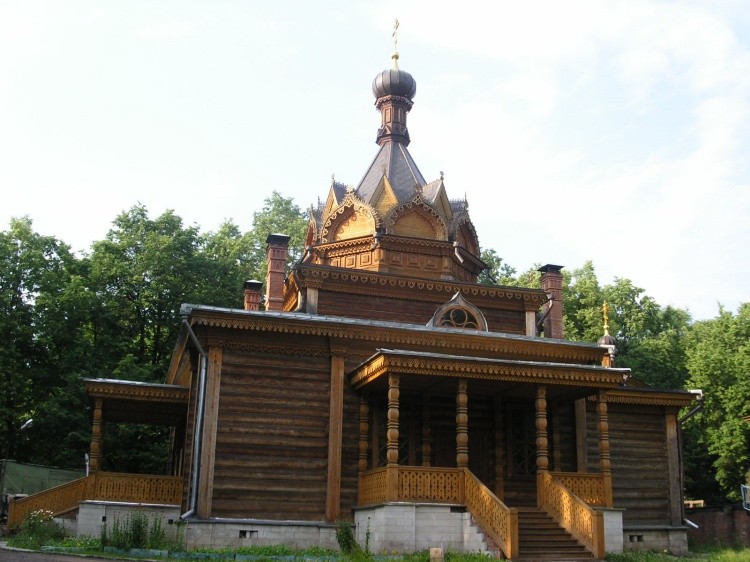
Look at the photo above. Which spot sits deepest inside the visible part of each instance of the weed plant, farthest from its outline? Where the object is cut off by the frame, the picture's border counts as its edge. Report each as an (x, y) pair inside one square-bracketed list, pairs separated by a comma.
[(136, 531), (38, 529)]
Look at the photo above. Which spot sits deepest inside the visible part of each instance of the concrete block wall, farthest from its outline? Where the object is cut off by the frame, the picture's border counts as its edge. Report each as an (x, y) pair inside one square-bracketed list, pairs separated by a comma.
[(663, 539), (234, 533), (400, 528), (613, 536), (92, 515)]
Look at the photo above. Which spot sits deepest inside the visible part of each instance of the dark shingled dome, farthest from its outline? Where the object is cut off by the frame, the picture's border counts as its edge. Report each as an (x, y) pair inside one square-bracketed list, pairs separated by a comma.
[(393, 82)]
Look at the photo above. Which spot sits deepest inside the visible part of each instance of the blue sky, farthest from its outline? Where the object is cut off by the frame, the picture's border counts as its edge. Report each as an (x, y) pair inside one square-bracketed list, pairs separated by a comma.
[(617, 132)]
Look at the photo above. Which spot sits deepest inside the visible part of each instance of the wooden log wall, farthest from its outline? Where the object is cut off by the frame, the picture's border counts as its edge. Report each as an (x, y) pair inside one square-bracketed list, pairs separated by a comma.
[(563, 437), (640, 468), (349, 452), (272, 439), (414, 312)]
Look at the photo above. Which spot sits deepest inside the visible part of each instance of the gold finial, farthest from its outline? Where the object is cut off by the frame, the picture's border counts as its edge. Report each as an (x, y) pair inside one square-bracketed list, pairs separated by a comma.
[(395, 45), (605, 311)]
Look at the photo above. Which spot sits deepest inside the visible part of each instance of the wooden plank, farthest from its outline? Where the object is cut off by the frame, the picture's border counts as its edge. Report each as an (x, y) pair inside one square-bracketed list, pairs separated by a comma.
[(210, 422), (335, 431)]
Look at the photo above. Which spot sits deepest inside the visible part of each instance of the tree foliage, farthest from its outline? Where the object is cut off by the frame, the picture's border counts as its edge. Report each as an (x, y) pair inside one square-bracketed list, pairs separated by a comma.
[(718, 358)]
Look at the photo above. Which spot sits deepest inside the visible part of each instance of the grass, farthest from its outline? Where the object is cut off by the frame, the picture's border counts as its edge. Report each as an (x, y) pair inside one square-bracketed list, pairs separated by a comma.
[(703, 555)]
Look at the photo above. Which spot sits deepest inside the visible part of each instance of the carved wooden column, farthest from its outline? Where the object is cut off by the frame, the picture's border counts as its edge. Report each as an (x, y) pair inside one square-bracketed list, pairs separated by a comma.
[(210, 428), (95, 455), (499, 449), (426, 432), (462, 425), (605, 465), (335, 436), (392, 438), (542, 458)]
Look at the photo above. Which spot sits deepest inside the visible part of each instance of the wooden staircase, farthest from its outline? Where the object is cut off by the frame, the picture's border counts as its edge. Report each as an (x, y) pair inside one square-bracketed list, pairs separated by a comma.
[(541, 538)]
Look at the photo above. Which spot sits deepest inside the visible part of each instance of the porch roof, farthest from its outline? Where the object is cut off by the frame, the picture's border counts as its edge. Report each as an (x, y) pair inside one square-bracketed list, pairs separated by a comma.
[(139, 402), (420, 370)]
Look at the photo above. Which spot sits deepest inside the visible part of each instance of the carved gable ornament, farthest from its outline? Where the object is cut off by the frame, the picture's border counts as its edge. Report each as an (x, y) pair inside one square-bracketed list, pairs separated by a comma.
[(418, 219), (459, 313), (352, 219)]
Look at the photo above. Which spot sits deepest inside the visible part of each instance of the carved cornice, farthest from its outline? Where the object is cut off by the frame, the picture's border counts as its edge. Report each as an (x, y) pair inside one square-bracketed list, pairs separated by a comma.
[(142, 392), (647, 397), (379, 334), (480, 368), (364, 282), (277, 349)]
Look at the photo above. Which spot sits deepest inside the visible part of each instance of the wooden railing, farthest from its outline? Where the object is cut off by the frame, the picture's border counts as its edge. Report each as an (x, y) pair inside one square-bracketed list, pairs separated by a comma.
[(590, 487), (577, 517), (444, 485), (58, 500), (107, 486), (495, 518)]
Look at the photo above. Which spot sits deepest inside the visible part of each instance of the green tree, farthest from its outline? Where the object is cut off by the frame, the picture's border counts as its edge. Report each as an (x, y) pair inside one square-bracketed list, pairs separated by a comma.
[(498, 272), (582, 301), (718, 358), (34, 269), (280, 215)]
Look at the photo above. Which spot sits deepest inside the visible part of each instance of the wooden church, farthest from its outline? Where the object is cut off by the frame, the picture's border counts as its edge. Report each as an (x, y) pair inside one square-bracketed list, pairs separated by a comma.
[(382, 385)]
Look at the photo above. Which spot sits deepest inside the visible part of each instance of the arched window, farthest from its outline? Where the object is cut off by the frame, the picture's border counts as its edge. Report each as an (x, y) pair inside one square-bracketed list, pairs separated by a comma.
[(459, 313)]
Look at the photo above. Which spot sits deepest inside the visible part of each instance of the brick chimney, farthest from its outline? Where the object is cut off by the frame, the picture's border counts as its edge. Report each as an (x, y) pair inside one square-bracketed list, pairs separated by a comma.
[(252, 294), (278, 246), (552, 281)]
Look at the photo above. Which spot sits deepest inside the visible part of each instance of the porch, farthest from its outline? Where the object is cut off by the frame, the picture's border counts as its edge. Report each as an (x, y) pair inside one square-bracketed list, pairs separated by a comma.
[(499, 467), (119, 402)]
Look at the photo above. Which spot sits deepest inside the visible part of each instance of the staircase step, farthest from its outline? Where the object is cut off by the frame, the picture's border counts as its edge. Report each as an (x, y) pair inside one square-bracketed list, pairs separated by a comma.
[(541, 538)]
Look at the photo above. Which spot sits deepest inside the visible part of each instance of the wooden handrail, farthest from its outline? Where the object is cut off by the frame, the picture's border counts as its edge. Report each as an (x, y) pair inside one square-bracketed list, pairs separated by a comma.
[(57, 500), (577, 517), (106, 486), (495, 518)]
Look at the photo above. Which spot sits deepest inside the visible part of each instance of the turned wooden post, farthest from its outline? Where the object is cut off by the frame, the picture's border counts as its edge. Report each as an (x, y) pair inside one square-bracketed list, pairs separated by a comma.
[(462, 425), (605, 464), (542, 458), (499, 449), (426, 432), (391, 457), (95, 455)]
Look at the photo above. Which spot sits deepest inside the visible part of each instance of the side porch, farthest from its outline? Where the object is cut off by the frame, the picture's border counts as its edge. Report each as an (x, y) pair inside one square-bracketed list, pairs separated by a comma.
[(117, 401)]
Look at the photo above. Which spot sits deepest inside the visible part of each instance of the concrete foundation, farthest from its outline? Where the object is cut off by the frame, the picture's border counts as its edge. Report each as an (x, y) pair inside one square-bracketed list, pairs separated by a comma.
[(407, 527), (663, 539), (233, 533)]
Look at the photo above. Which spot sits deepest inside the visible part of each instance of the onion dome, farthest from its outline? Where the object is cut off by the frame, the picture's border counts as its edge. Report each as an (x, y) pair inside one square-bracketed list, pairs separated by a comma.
[(606, 341), (394, 90), (394, 82)]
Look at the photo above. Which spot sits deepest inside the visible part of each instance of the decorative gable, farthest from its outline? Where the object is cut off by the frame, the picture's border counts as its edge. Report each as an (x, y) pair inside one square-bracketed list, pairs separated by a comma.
[(459, 313)]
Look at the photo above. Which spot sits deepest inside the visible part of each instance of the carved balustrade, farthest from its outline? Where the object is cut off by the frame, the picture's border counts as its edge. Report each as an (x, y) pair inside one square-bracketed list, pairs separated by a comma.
[(58, 500), (495, 518), (590, 487), (570, 511), (106, 486), (444, 485)]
